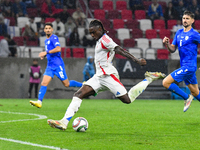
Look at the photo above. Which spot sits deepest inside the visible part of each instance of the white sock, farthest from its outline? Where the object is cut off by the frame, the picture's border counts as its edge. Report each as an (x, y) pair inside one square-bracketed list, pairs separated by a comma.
[(71, 110), (136, 90)]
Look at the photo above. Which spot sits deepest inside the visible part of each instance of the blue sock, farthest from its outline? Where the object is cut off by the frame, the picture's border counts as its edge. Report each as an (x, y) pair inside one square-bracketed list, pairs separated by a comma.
[(174, 88), (73, 83), (198, 97), (42, 92)]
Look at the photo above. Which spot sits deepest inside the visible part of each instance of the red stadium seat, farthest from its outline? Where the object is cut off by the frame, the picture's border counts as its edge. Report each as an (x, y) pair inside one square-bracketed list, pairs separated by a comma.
[(65, 52), (132, 24), (12, 21), (94, 4), (159, 24), (140, 14), (1, 37), (151, 33), (146, 4), (71, 11), (118, 23), (171, 23), (49, 20), (121, 5), (137, 33), (32, 43), (197, 24), (128, 43), (32, 12), (107, 5), (78, 52), (19, 40), (39, 3), (164, 32), (120, 56), (117, 41), (113, 14), (99, 14), (162, 54), (106, 23), (112, 33), (126, 14)]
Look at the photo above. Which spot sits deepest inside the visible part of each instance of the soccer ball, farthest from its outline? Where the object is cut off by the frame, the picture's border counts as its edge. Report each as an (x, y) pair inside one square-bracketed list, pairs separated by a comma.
[(36, 75), (80, 124)]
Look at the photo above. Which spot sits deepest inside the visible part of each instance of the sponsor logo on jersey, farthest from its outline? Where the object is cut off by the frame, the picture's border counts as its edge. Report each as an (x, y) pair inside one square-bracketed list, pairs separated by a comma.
[(117, 93)]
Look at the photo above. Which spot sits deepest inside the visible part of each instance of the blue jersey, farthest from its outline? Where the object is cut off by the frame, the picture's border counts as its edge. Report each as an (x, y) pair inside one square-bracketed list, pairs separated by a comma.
[(54, 60), (187, 43)]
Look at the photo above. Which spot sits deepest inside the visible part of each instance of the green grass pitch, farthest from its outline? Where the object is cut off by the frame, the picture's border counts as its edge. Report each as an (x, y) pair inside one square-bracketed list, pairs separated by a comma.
[(141, 125)]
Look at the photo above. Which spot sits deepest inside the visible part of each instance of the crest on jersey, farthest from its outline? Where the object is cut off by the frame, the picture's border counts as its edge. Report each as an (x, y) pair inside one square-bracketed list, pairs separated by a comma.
[(187, 37), (48, 42)]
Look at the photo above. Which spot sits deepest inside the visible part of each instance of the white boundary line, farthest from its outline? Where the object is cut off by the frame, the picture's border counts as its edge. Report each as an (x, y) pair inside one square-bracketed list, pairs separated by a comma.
[(23, 142), (32, 144), (39, 116)]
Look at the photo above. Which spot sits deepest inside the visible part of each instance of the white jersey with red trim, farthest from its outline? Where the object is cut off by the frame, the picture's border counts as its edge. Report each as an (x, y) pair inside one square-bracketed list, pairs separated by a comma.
[(104, 54)]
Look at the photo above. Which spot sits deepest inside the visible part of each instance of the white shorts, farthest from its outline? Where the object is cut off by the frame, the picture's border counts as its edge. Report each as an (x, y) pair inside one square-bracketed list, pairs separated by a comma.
[(107, 82)]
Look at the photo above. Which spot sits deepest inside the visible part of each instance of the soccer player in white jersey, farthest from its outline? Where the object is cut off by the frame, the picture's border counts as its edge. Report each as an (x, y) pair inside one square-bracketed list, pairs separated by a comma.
[(186, 40), (106, 77)]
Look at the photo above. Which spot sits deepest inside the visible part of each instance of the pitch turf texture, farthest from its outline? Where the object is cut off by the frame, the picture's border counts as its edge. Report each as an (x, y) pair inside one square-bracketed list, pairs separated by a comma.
[(142, 125)]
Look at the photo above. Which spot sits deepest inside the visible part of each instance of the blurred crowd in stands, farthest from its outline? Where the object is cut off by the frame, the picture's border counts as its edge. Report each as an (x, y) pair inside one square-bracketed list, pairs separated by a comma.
[(68, 17)]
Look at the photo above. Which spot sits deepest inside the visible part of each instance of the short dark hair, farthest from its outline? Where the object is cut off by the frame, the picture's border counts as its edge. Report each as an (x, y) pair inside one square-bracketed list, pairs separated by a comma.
[(48, 24), (189, 13), (97, 23)]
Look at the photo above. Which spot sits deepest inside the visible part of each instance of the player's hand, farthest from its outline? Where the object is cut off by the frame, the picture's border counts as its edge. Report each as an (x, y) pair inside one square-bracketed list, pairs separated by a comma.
[(42, 55), (166, 40), (142, 62)]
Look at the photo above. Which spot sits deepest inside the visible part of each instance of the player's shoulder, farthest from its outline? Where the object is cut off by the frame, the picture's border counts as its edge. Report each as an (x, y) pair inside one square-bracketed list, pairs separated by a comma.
[(54, 36), (105, 38), (180, 30), (194, 31)]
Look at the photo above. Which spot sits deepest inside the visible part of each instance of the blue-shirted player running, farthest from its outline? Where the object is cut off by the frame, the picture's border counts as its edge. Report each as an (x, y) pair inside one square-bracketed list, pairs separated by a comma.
[(186, 40), (55, 65)]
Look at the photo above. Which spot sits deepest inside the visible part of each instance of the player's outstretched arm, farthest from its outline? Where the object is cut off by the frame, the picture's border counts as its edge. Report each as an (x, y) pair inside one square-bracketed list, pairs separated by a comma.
[(171, 48), (126, 54)]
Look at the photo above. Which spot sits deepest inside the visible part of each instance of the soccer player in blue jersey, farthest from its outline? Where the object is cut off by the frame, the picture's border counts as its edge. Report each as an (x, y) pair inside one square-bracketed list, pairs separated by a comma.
[(186, 40), (55, 65)]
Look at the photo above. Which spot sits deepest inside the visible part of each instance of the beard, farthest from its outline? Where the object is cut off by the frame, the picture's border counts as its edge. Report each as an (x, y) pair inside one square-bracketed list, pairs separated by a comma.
[(186, 25), (48, 35)]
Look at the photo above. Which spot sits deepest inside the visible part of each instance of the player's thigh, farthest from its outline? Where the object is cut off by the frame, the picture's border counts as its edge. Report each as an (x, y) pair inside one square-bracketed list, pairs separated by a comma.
[(46, 80), (113, 83), (94, 83), (167, 81), (61, 73), (84, 92)]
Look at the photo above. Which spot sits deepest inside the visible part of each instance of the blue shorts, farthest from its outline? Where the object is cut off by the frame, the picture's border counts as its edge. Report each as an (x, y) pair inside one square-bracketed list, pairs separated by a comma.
[(59, 72), (186, 74)]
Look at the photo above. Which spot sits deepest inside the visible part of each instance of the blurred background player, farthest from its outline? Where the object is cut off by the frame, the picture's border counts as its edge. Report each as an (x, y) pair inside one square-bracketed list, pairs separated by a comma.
[(55, 65), (106, 77), (186, 40), (35, 72), (88, 70)]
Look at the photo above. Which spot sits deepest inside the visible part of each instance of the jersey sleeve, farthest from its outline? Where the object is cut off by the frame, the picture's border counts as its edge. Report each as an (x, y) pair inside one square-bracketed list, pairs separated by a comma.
[(55, 41), (108, 43), (196, 37)]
